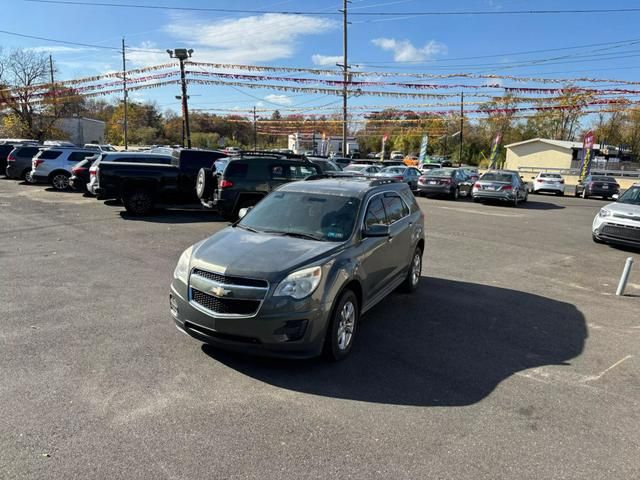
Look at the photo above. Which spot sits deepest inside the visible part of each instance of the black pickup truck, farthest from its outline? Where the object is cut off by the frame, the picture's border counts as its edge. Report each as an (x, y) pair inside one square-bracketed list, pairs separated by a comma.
[(142, 186)]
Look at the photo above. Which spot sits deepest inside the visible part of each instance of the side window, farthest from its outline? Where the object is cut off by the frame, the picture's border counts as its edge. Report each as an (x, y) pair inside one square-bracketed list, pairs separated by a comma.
[(299, 172), (236, 170), (277, 172), (395, 207), (79, 156), (375, 213)]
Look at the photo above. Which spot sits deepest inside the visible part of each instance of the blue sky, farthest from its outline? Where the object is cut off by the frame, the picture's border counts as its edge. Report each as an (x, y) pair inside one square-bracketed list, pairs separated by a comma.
[(408, 44)]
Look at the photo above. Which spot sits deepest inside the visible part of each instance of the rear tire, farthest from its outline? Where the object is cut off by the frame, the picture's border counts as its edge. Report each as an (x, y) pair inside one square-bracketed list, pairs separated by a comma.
[(454, 194), (60, 181), (410, 283), (204, 184), (139, 202), (342, 329)]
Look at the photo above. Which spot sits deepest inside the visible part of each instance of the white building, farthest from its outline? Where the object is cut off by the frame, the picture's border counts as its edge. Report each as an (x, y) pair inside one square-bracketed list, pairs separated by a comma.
[(313, 142), (82, 130)]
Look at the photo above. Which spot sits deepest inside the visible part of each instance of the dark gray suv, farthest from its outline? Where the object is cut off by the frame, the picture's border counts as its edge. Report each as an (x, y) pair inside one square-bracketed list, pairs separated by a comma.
[(294, 274)]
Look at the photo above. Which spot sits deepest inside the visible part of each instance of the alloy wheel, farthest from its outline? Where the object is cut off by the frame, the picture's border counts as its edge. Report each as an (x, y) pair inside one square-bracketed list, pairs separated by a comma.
[(346, 325), (416, 268), (60, 182)]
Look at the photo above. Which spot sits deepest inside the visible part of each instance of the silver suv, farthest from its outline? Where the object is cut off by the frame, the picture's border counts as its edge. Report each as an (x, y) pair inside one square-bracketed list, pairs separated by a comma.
[(53, 165)]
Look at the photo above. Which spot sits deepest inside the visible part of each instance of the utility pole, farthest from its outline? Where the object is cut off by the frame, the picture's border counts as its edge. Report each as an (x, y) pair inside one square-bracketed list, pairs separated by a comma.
[(345, 79), (183, 54), (461, 125), (255, 130), (53, 87), (125, 94)]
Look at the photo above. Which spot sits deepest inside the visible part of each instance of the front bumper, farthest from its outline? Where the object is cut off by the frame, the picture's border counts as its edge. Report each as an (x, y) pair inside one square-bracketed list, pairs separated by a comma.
[(263, 334), (611, 230)]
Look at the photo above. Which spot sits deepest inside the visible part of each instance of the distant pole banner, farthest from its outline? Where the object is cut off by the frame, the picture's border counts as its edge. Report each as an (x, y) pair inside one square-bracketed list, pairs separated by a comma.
[(587, 147), (423, 149), (384, 140), (494, 151)]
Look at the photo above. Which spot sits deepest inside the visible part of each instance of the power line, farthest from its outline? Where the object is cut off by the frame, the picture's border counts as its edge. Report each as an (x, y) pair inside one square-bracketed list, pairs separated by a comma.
[(368, 14), (78, 44)]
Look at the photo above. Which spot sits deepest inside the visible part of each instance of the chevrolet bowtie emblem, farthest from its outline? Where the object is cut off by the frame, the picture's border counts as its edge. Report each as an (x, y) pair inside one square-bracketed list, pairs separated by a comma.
[(220, 291)]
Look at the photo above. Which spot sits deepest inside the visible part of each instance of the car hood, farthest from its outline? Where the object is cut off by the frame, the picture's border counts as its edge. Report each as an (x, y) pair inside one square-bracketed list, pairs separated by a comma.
[(241, 253), (624, 209)]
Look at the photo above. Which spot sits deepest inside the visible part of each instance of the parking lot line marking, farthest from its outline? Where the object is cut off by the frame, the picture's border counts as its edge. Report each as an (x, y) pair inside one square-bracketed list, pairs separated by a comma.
[(491, 214), (591, 378)]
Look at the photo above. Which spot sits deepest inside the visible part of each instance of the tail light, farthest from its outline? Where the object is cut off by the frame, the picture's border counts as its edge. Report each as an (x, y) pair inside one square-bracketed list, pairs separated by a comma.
[(76, 170), (562, 181), (93, 171), (37, 162), (539, 180), (507, 187), (11, 158), (225, 184), (477, 185)]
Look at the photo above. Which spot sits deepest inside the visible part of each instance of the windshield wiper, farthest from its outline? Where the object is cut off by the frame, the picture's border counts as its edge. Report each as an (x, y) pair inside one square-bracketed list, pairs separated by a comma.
[(244, 227), (307, 236)]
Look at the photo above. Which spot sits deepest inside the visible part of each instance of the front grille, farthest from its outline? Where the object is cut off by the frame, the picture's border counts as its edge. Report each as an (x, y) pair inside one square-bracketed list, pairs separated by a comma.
[(245, 282), (225, 306), (622, 231)]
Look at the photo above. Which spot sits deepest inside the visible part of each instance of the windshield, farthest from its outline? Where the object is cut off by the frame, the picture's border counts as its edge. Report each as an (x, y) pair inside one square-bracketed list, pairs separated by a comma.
[(393, 170), (497, 177), (318, 216), (631, 196), (441, 172)]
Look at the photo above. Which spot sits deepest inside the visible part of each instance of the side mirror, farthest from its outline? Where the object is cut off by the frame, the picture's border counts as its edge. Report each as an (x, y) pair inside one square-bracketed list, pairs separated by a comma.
[(615, 196), (244, 211), (376, 231)]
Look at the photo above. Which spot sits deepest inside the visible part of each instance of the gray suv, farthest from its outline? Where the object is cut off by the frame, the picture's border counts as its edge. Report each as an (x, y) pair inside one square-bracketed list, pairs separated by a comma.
[(293, 276)]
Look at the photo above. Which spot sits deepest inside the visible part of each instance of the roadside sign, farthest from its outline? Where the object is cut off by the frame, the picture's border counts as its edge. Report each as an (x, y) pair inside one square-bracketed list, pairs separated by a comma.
[(423, 149)]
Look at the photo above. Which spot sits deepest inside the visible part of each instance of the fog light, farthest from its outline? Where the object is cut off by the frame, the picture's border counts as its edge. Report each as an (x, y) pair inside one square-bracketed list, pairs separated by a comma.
[(292, 330), (173, 305)]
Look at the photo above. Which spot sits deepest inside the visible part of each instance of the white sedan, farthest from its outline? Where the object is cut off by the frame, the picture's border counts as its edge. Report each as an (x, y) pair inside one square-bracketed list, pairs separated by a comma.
[(619, 222), (548, 182)]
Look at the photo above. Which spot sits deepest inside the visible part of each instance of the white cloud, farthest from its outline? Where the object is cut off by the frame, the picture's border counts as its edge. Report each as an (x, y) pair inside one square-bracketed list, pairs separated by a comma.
[(259, 38), (60, 49), (146, 54), (326, 60), (278, 99), (405, 51)]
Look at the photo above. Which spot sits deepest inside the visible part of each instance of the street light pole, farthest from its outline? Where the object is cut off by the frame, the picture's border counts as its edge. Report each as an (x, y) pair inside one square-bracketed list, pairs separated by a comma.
[(345, 77), (183, 54), (125, 95)]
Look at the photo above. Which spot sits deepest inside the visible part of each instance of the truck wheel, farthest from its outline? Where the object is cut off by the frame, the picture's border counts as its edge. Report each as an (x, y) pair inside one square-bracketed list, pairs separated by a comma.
[(60, 181), (139, 202), (342, 328), (204, 184)]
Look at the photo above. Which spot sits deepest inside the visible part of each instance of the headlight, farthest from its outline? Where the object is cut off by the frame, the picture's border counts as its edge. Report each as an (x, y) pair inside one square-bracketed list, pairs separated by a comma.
[(182, 269), (300, 284), (604, 212)]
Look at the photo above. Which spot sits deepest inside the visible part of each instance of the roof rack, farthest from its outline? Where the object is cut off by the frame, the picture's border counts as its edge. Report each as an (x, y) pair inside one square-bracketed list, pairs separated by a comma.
[(382, 181), (265, 153), (337, 175)]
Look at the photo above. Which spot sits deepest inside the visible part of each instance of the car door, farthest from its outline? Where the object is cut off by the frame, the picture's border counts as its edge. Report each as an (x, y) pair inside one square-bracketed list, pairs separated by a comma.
[(375, 258), (400, 231)]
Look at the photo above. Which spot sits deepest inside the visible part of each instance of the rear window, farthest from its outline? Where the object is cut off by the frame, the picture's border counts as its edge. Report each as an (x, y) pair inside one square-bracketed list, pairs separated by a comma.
[(550, 175), (236, 170), (27, 151), (497, 177), (441, 172), (49, 154), (603, 179)]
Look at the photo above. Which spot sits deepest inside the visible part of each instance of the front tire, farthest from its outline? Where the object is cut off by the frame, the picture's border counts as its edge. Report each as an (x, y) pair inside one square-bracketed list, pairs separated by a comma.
[(138, 202), (343, 327), (60, 181)]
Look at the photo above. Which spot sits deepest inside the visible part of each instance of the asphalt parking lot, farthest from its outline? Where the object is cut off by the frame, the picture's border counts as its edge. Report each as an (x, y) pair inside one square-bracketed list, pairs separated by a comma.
[(513, 360)]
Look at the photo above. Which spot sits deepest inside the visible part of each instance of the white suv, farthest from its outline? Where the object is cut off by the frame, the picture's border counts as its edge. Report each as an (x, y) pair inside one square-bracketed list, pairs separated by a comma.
[(619, 222), (53, 165)]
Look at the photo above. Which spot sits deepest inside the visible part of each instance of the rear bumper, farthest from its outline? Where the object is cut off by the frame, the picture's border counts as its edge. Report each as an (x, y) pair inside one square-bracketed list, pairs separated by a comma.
[(599, 192), (77, 183), (434, 189), (548, 188), (35, 178), (494, 195), (12, 171)]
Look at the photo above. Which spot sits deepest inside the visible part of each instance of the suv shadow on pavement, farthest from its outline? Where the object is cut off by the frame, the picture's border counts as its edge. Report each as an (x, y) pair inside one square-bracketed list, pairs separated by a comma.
[(178, 216), (450, 344)]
